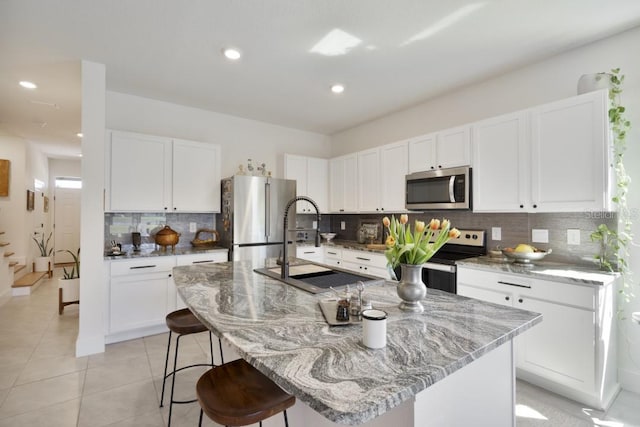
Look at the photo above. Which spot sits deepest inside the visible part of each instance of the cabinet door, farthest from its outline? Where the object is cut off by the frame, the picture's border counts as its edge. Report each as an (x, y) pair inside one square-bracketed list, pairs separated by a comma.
[(496, 296), (422, 153), (140, 176), (138, 301), (500, 164), (453, 147), (295, 167), (569, 154), (318, 182), (336, 184), (369, 180), (196, 177), (394, 166), (562, 347), (351, 188)]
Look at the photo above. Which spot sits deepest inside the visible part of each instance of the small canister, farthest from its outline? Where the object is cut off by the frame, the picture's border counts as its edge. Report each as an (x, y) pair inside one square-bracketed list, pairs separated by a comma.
[(374, 328)]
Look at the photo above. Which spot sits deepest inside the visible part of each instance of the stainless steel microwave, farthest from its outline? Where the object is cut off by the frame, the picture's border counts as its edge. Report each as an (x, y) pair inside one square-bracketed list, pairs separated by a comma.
[(439, 189)]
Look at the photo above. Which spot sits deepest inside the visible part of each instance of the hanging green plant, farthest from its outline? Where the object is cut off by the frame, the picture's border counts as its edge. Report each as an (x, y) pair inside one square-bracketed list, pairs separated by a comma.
[(614, 251)]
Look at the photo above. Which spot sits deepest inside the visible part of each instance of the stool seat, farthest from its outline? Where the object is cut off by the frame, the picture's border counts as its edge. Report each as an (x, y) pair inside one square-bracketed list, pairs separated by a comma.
[(237, 394), (184, 322)]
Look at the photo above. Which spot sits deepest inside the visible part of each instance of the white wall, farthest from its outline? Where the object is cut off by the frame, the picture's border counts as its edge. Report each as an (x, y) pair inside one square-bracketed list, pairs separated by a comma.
[(37, 167), (239, 138), (545, 81)]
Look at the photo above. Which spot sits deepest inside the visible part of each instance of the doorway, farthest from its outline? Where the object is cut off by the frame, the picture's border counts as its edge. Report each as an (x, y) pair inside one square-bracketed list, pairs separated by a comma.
[(66, 220)]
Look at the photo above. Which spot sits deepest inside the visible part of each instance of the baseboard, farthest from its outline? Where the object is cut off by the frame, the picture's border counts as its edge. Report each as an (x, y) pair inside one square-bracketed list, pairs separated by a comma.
[(629, 380), (136, 333)]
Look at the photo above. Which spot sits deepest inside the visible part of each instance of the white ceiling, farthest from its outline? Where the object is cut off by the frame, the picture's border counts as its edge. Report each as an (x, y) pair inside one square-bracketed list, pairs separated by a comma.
[(169, 50)]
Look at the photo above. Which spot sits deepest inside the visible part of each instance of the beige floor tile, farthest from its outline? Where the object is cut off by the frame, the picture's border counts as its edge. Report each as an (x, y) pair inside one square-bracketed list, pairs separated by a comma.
[(149, 419), (118, 351), (9, 374), (15, 355), (117, 404), (116, 374), (4, 392), (52, 346), (40, 394), (63, 414), (40, 369)]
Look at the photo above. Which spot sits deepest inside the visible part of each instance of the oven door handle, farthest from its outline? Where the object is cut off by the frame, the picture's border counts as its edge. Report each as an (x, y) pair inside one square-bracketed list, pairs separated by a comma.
[(452, 194), (440, 267)]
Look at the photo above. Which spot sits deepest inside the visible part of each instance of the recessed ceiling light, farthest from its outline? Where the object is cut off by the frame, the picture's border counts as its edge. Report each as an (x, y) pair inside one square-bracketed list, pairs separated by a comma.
[(28, 85), (337, 88), (79, 134), (231, 53)]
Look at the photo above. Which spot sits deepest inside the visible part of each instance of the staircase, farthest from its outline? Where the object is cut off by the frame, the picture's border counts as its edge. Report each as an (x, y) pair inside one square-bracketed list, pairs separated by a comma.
[(15, 280)]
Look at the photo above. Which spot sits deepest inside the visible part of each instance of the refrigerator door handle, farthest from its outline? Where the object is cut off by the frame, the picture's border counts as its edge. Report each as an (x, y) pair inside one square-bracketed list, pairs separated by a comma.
[(267, 209)]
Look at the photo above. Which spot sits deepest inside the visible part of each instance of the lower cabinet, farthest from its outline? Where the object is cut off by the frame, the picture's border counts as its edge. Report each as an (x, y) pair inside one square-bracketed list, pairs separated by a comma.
[(310, 253), (365, 262), (572, 352), (141, 293)]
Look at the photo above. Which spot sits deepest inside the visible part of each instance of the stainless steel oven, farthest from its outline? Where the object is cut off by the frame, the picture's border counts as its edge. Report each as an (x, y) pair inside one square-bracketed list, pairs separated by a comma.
[(440, 272), (439, 189)]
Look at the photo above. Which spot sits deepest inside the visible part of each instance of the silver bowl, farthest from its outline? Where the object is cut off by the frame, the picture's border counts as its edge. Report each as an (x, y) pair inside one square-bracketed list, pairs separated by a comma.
[(525, 257), (328, 236)]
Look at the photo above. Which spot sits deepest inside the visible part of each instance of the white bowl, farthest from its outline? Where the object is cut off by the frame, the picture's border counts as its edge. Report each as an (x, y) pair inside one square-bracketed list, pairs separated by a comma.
[(328, 236)]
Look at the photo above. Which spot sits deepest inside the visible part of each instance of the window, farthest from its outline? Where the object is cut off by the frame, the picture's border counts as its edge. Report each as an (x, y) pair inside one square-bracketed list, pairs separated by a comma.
[(68, 182)]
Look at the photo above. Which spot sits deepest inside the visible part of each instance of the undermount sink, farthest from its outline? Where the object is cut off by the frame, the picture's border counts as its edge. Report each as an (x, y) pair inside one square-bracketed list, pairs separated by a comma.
[(315, 278)]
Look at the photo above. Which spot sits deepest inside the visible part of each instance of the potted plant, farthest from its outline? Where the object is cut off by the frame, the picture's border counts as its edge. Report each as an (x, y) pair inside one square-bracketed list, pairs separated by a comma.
[(69, 283), (43, 262)]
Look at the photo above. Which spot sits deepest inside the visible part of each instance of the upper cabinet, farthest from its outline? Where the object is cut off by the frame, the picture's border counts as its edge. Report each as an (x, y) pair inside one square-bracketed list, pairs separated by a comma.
[(155, 174), (551, 158), (312, 180), (570, 154), (500, 165), (445, 149), (343, 184), (381, 178)]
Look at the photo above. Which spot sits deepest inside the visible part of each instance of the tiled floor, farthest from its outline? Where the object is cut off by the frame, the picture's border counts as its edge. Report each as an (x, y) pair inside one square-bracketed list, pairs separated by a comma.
[(42, 383)]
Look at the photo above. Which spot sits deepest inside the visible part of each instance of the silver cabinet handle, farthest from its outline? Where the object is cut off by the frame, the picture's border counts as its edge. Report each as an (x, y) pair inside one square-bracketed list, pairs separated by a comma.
[(514, 284), (142, 266), (202, 262), (363, 259)]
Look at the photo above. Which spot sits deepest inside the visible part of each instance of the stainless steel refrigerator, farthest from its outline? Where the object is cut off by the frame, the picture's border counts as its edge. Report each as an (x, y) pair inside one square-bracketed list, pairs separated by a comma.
[(252, 216)]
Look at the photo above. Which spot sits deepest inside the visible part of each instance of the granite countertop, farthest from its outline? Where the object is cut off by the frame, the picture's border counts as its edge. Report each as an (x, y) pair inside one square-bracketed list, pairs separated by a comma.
[(152, 252), (281, 331), (546, 270)]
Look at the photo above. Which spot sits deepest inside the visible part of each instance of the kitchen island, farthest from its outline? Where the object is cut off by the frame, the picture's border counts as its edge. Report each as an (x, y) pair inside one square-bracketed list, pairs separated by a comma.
[(451, 365)]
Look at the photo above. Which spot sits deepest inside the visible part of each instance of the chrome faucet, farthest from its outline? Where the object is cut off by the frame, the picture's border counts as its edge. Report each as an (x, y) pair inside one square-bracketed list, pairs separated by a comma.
[(284, 267)]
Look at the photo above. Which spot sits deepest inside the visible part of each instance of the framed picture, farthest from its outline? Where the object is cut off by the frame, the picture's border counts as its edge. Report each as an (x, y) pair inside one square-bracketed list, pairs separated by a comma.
[(31, 198), (46, 204)]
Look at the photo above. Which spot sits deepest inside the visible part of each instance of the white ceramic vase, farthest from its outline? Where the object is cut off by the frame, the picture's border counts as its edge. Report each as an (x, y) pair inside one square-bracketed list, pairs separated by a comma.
[(592, 82), (42, 263)]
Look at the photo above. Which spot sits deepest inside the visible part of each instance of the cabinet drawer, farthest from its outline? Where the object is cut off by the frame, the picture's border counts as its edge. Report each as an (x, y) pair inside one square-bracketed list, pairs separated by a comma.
[(203, 258), (364, 258), (557, 292), (335, 253), (142, 266)]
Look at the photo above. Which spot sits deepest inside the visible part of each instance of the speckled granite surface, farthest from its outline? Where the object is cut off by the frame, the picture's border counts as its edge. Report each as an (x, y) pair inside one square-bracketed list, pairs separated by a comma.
[(281, 330), (565, 273), (144, 253)]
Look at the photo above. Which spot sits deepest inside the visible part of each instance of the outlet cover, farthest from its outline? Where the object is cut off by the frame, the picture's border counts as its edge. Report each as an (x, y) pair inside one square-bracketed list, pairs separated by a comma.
[(343, 225), (573, 236), (315, 224), (539, 236), (192, 227), (496, 233)]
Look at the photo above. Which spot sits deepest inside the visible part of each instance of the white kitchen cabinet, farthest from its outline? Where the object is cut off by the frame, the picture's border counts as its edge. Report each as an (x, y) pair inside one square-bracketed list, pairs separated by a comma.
[(444, 149), (501, 164), (572, 352), (570, 169), (139, 295), (551, 158), (312, 180), (365, 262), (140, 172), (196, 177), (154, 174), (343, 184), (381, 178), (333, 256), (310, 253)]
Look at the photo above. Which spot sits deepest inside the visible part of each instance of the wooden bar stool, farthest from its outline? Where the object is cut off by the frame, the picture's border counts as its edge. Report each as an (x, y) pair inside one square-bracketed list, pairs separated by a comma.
[(183, 322), (237, 394)]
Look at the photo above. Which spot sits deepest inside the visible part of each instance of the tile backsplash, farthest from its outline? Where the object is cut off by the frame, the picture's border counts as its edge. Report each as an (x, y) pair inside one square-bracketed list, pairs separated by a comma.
[(119, 226), (515, 228)]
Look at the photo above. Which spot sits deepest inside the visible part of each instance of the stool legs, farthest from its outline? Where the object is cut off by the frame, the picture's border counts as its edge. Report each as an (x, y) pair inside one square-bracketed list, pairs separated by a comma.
[(175, 370), (286, 421)]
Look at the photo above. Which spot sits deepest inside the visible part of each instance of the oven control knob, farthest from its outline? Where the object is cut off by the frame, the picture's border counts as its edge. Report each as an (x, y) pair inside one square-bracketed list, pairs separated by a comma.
[(474, 237)]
